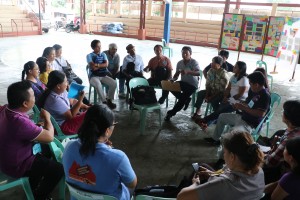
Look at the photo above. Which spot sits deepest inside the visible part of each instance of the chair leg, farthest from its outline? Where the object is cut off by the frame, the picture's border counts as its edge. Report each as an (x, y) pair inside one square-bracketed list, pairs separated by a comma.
[(90, 90), (167, 102), (27, 188), (268, 123), (95, 96), (62, 188)]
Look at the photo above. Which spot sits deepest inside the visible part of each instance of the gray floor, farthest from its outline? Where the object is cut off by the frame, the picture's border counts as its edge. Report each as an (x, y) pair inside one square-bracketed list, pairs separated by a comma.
[(163, 155)]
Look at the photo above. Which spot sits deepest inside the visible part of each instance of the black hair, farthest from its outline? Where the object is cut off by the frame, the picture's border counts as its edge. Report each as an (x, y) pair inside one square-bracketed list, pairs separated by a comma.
[(27, 66), (224, 53), (257, 77), (47, 51), (242, 68), (158, 45), (292, 146), (242, 145), (94, 43), (187, 48), (218, 60), (291, 111), (57, 47), (263, 71), (17, 93), (42, 63), (97, 119), (55, 77)]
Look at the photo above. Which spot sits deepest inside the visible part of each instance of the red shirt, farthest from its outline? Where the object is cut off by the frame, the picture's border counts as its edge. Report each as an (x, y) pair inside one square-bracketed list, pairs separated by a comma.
[(162, 61)]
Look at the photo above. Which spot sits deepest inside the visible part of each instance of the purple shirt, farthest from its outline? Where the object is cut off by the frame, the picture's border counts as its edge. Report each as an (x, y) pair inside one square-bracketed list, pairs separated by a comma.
[(290, 183), (16, 135), (57, 105)]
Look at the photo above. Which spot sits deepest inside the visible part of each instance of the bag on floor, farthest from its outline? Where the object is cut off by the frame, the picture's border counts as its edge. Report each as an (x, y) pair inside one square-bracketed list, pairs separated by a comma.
[(159, 191), (143, 95)]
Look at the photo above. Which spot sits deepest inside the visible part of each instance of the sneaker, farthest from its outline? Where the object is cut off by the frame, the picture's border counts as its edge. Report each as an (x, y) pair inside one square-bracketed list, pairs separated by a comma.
[(187, 103), (212, 141), (168, 117), (110, 104), (161, 100), (122, 95)]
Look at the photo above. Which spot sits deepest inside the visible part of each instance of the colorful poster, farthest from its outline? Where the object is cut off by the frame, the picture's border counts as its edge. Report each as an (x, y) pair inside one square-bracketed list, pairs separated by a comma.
[(276, 25), (254, 33), (231, 32), (288, 53)]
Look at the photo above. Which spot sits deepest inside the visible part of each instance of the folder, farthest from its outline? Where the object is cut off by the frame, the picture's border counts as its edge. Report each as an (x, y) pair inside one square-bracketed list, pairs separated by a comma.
[(171, 86), (74, 90)]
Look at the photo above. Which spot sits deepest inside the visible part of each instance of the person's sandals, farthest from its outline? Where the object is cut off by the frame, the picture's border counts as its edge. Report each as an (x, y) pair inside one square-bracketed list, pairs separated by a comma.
[(110, 104)]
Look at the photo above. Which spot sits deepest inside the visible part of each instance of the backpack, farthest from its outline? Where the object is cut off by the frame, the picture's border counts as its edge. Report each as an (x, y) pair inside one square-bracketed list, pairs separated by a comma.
[(161, 73), (143, 95)]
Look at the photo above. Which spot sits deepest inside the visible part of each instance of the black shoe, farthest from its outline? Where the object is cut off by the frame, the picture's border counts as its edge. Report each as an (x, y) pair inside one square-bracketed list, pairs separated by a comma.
[(219, 164), (168, 117), (212, 141), (187, 103), (110, 104), (161, 100)]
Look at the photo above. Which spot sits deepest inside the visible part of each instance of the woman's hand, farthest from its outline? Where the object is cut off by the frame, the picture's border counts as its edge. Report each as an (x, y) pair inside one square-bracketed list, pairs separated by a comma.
[(81, 96), (196, 179)]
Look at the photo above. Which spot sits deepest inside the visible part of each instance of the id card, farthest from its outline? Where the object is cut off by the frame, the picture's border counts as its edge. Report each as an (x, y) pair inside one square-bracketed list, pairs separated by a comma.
[(251, 104), (36, 148)]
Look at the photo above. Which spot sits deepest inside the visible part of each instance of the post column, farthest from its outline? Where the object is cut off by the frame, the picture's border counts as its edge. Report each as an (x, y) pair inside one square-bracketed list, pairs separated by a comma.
[(167, 24)]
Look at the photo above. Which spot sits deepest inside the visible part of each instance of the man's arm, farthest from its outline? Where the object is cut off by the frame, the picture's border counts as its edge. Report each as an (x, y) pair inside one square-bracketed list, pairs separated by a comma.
[(47, 134)]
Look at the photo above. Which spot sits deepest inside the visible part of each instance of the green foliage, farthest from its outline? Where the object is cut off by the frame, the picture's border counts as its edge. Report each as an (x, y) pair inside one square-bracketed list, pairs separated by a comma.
[(58, 3)]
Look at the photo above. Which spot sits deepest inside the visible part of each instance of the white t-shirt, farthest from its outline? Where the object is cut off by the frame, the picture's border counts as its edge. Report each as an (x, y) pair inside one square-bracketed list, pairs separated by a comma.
[(62, 62), (235, 85)]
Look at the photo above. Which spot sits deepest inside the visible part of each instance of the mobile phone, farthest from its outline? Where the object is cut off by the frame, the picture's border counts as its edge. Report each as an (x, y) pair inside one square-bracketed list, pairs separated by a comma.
[(195, 166)]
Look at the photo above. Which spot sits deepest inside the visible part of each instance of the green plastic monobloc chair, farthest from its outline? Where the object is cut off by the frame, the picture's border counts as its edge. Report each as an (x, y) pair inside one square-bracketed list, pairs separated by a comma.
[(263, 64), (36, 114), (7, 182), (60, 135), (166, 49), (84, 195), (146, 197), (143, 109), (90, 88), (275, 101)]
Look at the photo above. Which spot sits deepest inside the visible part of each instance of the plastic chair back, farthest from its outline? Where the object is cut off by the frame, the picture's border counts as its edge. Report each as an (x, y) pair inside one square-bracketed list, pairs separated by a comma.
[(146, 197), (7, 182), (134, 82), (261, 63), (36, 114), (60, 135), (57, 149), (84, 195)]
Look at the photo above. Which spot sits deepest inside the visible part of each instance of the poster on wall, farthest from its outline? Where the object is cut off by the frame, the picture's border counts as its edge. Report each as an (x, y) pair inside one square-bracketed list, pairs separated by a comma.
[(288, 53), (276, 25), (254, 33), (231, 33)]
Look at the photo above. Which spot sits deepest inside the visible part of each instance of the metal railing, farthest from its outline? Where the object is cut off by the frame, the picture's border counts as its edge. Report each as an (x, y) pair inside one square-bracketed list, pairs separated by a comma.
[(1, 30), (12, 27), (31, 14)]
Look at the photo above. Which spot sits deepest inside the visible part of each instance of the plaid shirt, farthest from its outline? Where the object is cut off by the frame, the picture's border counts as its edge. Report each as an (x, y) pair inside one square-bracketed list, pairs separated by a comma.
[(275, 157), (216, 81)]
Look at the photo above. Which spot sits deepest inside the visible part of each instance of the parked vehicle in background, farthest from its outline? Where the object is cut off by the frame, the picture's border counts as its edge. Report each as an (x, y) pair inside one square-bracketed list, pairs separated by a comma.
[(72, 27), (60, 22), (45, 21)]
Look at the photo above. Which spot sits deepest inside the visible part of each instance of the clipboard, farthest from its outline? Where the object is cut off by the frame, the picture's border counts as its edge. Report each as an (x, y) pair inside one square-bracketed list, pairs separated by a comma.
[(170, 86)]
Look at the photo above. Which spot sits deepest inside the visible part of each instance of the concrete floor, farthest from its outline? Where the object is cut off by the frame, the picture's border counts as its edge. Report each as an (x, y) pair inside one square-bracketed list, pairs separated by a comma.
[(162, 155)]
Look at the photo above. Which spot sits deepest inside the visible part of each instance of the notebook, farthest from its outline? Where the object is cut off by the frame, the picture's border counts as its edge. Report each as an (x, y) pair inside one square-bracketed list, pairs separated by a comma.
[(171, 86)]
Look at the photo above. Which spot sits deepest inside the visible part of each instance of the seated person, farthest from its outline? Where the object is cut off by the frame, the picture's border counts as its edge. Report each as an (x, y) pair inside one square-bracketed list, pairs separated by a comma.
[(44, 67), (288, 185), (113, 60), (97, 62), (253, 110), (61, 63), (273, 165), (18, 135), (161, 69), (32, 72), (226, 65), (241, 178), (49, 53), (189, 70), (237, 90), (263, 71), (131, 73), (105, 170), (55, 100), (138, 63), (215, 86)]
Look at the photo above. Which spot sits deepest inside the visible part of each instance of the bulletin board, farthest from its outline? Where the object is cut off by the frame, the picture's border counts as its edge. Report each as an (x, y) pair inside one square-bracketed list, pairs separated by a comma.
[(254, 33), (275, 29), (231, 31)]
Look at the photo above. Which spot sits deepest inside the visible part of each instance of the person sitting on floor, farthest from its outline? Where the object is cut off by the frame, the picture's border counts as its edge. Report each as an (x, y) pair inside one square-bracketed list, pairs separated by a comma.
[(215, 86), (273, 165), (253, 110), (44, 67), (31, 70), (226, 65), (241, 178), (138, 67), (97, 62), (55, 100), (288, 185), (18, 135), (105, 170), (161, 69), (237, 90), (113, 60), (189, 70)]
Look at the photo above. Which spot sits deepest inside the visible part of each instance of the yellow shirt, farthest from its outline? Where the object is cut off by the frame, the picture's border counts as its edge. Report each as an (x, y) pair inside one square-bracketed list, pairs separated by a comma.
[(44, 77)]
